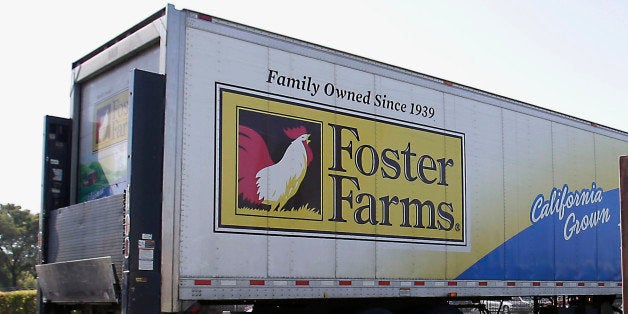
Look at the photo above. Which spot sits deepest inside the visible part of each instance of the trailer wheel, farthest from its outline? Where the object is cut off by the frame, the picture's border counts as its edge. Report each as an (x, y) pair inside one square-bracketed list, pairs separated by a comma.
[(505, 309)]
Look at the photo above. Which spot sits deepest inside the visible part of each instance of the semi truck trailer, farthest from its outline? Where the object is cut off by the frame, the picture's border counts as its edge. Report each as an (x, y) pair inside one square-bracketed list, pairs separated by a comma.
[(208, 162)]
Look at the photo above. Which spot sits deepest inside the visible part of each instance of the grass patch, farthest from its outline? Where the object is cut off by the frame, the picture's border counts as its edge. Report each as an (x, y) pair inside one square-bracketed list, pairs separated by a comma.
[(302, 212)]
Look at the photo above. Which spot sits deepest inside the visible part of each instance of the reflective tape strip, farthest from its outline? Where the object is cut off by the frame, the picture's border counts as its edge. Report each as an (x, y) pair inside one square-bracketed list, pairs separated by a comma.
[(202, 282), (214, 282)]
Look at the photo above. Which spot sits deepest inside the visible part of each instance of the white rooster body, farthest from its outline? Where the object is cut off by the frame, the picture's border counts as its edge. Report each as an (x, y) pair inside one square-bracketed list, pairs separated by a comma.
[(260, 180), (277, 183)]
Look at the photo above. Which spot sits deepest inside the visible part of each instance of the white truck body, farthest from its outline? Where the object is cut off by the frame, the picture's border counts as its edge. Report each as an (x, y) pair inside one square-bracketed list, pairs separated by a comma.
[(414, 186)]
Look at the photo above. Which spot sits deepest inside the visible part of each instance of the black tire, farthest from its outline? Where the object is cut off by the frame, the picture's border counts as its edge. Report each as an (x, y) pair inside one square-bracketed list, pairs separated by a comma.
[(505, 309)]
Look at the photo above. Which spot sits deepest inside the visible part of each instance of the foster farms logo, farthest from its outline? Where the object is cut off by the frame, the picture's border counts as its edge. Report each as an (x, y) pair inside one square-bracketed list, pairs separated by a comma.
[(288, 167), (391, 164)]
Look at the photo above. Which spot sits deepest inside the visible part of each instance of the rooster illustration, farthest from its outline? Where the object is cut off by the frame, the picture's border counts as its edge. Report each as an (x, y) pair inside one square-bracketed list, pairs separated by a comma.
[(260, 179)]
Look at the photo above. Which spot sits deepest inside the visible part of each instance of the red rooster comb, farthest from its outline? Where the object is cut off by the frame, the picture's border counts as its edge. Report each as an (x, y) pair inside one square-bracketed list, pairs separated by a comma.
[(295, 132)]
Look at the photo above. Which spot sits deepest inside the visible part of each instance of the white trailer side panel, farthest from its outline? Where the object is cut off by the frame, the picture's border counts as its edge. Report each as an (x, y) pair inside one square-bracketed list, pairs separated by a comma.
[(509, 159), (208, 58)]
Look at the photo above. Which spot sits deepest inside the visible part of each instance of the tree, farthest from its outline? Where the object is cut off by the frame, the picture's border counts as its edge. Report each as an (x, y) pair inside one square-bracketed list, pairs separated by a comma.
[(18, 245)]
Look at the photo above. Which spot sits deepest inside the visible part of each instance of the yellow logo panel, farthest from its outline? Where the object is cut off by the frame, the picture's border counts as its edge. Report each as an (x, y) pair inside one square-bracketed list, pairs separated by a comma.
[(289, 167)]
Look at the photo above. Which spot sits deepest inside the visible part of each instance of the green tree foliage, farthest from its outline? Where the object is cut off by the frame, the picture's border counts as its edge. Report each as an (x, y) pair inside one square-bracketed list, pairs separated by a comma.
[(18, 246)]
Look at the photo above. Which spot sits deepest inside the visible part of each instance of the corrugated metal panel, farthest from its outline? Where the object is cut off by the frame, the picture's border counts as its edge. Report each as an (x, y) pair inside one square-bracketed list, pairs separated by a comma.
[(88, 230)]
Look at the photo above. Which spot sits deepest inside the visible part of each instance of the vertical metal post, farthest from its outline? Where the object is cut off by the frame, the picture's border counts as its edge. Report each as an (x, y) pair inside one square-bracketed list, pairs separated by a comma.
[(142, 267), (623, 197), (56, 179)]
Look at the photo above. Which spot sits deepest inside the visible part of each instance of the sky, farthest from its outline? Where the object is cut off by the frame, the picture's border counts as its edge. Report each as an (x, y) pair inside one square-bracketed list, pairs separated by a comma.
[(567, 56)]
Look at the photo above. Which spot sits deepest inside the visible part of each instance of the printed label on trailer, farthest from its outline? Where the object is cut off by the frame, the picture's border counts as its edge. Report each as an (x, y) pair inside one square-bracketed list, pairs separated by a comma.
[(103, 155), (289, 167), (111, 121)]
